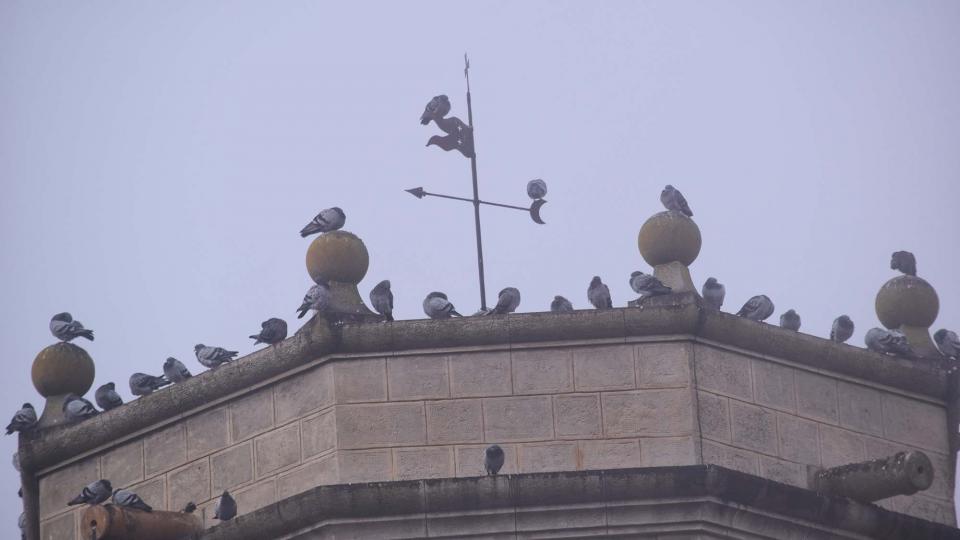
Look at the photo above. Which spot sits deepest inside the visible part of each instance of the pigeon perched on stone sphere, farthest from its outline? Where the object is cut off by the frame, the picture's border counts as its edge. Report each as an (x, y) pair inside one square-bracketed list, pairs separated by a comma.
[(23, 420), (129, 499), (436, 306), (212, 357), (842, 329), (317, 299), (890, 342), (904, 261), (64, 328), (493, 459), (381, 298), (175, 371), (142, 384), (536, 189), (327, 220), (790, 320), (272, 331), (948, 343), (599, 294), (507, 302), (713, 293), (225, 508), (674, 201), (560, 304), (757, 308), (93, 493), (107, 397), (76, 408)]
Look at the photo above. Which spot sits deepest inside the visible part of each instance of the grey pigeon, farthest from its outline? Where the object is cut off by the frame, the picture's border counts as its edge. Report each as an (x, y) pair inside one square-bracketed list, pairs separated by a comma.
[(317, 299), (23, 420), (757, 308), (437, 108), (75, 408), (507, 302), (64, 328), (790, 320), (327, 220), (189, 508), (142, 384), (599, 294), (212, 357), (493, 459), (842, 329), (947, 342), (107, 397), (175, 371), (673, 200), (904, 261), (713, 292), (890, 342), (272, 331), (129, 499), (381, 298), (646, 285), (536, 189), (436, 306), (225, 508), (560, 304), (93, 493)]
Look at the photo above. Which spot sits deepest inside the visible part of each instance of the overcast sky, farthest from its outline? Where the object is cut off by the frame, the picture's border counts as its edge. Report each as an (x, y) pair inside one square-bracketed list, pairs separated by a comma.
[(158, 159)]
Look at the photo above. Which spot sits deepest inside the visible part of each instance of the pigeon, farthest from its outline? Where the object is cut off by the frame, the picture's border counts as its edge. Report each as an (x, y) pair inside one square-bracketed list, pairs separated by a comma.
[(381, 298), (947, 342), (22, 523), (842, 329), (904, 261), (212, 357), (436, 306), (493, 459), (673, 200), (599, 294), (560, 304), (757, 308), (65, 328), (26, 419), (790, 320), (317, 299), (129, 499), (327, 220), (438, 107), (272, 331), (93, 493), (507, 302), (189, 508), (107, 397), (646, 285), (888, 342), (536, 189), (225, 508), (75, 408), (713, 292), (142, 384), (175, 371)]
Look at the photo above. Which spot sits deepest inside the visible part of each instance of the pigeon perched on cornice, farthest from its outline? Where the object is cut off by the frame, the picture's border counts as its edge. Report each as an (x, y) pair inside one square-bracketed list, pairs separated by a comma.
[(175, 371), (272, 331), (713, 292), (317, 299), (142, 384), (327, 220), (493, 459), (790, 320), (64, 328), (76, 408), (673, 200), (757, 308), (536, 189), (107, 397), (560, 304), (948, 343), (599, 294), (23, 420), (129, 499), (212, 357), (842, 329), (93, 493), (189, 508), (891, 342), (646, 285), (507, 302), (437, 108), (436, 306), (225, 508), (381, 298), (904, 261)]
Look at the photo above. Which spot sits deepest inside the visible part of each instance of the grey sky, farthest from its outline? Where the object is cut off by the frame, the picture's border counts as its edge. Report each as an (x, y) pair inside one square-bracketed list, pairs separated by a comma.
[(158, 159)]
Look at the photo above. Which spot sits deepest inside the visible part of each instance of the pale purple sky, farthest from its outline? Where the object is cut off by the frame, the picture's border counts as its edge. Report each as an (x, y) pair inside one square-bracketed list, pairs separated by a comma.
[(158, 159)]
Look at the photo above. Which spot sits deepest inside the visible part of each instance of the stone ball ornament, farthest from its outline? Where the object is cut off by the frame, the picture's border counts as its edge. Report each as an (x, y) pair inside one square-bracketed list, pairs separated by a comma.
[(667, 237), (907, 300), (337, 256), (63, 368)]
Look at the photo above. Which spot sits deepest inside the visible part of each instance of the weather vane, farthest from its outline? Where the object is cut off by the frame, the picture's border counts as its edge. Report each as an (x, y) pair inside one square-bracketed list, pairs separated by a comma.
[(459, 137)]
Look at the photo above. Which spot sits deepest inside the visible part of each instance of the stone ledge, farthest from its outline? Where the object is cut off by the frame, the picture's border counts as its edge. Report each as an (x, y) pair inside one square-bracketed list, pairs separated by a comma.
[(761, 505)]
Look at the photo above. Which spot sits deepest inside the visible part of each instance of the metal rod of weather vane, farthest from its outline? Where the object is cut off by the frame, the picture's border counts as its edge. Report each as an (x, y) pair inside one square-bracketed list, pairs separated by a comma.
[(476, 193)]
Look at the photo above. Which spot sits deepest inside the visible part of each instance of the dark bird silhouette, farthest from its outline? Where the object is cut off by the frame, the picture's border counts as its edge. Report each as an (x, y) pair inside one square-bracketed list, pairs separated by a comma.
[(23, 420), (560, 304), (381, 298), (64, 328), (713, 293), (673, 200), (842, 329), (493, 459), (329, 219), (107, 397), (175, 371), (904, 261), (272, 331), (599, 294), (225, 508), (93, 493)]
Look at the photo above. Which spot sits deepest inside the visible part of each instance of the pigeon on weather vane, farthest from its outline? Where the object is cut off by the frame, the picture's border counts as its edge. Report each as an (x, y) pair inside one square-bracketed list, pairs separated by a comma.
[(459, 136)]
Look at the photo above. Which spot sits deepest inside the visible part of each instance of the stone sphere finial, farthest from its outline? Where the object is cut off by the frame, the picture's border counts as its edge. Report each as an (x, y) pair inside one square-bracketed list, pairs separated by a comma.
[(670, 241), (907, 300), (337, 256), (58, 370)]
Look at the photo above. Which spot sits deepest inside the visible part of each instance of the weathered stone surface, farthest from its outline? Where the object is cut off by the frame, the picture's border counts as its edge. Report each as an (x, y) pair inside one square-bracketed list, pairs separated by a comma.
[(189, 483), (256, 496), (454, 421), (610, 454), (364, 465), (548, 457), (58, 487), (580, 521), (319, 433), (915, 423), (168, 449), (207, 432), (252, 414), (309, 475), (494, 524), (714, 413), (929, 509), (839, 447), (817, 396), (232, 468), (277, 450), (377, 425), (470, 460), (729, 457), (424, 462), (663, 365), (608, 367), (577, 416), (647, 413), (754, 428), (668, 451), (774, 385), (61, 528), (304, 392), (417, 377), (799, 439), (860, 408), (517, 419), (153, 492), (480, 374), (782, 471), (723, 372), (358, 380), (124, 465), (542, 371)]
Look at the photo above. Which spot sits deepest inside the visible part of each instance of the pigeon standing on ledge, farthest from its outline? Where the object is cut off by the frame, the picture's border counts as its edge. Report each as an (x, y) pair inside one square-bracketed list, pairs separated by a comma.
[(757, 308), (129, 499), (673, 200), (23, 420), (225, 508), (713, 292), (507, 302), (790, 320), (272, 331), (842, 329), (142, 384), (947, 342), (560, 304), (381, 298), (599, 294), (175, 371), (64, 328), (493, 459), (93, 493), (317, 299), (212, 357), (107, 397), (890, 342), (436, 306), (75, 408), (646, 285), (327, 220)]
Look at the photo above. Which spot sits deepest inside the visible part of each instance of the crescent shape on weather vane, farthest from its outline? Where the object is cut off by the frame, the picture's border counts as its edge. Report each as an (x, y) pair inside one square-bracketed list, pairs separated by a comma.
[(535, 211)]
